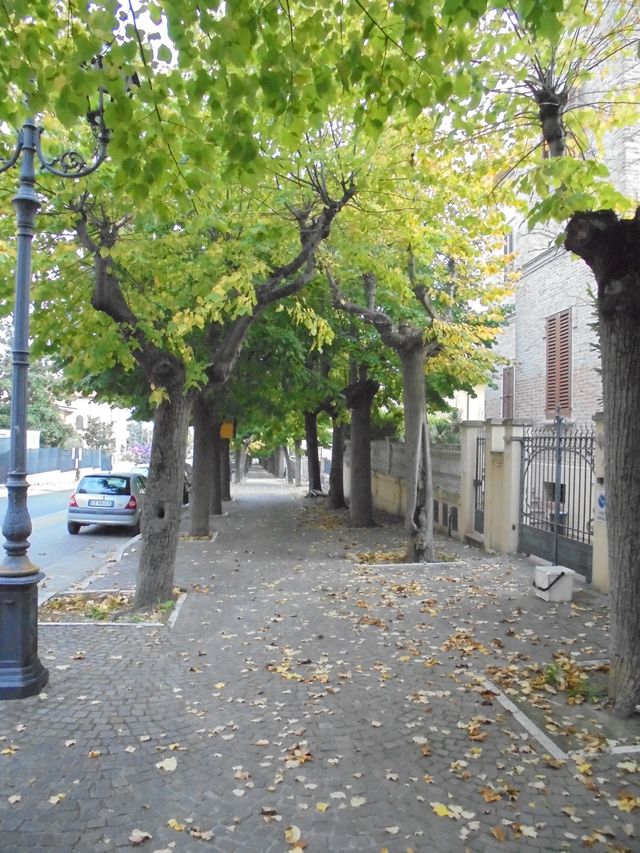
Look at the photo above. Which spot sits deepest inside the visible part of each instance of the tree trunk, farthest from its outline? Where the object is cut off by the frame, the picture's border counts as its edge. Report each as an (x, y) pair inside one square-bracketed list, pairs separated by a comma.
[(216, 477), (336, 475), (359, 397), (238, 464), (202, 456), (289, 464), (163, 505), (298, 475), (419, 511), (611, 247), (311, 434), (225, 470), (551, 107)]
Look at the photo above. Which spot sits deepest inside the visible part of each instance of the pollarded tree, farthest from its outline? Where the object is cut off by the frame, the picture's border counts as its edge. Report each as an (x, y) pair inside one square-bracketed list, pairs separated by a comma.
[(430, 239), (166, 372)]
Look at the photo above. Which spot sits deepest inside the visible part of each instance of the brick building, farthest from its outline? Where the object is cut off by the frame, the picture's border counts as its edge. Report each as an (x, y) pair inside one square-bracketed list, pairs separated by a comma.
[(549, 343)]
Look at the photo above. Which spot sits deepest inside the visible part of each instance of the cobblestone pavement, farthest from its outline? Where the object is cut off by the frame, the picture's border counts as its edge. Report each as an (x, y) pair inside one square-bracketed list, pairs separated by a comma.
[(304, 699)]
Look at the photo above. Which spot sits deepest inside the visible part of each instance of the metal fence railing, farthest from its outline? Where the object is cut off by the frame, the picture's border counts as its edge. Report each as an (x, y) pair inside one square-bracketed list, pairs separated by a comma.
[(45, 459)]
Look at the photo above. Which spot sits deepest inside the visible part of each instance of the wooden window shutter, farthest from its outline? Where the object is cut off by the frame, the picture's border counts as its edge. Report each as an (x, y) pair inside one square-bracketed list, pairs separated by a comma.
[(507, 392), (564, 362), (558, 364)]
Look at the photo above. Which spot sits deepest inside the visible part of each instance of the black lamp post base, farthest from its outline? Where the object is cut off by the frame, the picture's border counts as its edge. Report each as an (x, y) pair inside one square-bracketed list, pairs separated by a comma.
[(21, 672)]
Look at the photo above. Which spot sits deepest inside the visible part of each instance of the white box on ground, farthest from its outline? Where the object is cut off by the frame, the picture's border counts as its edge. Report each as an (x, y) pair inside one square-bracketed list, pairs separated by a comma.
[(554, 583)]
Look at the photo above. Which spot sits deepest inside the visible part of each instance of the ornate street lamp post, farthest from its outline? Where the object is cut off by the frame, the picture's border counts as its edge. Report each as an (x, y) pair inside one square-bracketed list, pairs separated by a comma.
[(21, 672)]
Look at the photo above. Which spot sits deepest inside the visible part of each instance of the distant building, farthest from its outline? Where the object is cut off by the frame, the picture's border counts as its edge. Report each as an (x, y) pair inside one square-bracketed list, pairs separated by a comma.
[(77, 413)]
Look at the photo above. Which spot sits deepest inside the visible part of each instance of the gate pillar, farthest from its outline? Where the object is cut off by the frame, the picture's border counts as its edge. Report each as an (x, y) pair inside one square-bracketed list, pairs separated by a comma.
[(502, 498), (468, 449), (600, 576)]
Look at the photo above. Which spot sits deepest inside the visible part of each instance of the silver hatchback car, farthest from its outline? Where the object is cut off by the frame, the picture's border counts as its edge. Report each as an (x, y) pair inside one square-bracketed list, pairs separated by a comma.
[(107, 499)]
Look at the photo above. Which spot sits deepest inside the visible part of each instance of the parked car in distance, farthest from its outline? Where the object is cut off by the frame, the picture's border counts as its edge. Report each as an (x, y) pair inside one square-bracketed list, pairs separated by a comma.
[(186, 485), (140, 469), (109, 498)]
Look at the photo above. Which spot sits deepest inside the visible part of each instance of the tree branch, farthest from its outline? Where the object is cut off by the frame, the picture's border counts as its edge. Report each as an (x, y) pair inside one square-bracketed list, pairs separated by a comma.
[(161, 367), (226, 351), (419, 290), (386, 327), (312, 233)]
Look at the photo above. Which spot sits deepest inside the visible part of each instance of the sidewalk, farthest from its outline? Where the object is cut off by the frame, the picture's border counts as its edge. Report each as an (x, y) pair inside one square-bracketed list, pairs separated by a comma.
[(303, 696)]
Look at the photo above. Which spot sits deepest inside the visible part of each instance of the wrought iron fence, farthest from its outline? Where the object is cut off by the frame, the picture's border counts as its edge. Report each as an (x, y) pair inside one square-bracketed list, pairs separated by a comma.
[(556, 486)]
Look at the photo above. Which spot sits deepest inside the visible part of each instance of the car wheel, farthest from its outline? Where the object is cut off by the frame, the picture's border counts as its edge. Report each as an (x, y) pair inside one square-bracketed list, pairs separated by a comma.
[(136, 528), (73, 527)]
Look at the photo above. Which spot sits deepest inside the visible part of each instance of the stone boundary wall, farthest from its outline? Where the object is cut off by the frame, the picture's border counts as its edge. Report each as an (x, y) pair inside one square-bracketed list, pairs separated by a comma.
[(388, 481)]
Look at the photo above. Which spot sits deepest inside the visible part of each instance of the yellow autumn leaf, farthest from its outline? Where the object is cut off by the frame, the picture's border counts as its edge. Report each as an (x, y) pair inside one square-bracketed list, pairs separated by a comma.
[(626, 802), (440, 809), (322, 807), (219, 685), (174, 824)]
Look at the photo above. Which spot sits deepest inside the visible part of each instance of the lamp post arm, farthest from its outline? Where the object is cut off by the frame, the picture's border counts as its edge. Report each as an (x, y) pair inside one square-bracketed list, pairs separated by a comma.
[(73, 164), (5, 165)]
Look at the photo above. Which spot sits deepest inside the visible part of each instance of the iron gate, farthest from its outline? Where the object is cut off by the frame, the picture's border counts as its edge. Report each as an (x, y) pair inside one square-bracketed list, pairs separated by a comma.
[(556, 483), (478, 484)]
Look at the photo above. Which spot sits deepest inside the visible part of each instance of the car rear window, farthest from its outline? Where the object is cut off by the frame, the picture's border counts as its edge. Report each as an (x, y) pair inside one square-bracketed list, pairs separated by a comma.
[(104, 486)]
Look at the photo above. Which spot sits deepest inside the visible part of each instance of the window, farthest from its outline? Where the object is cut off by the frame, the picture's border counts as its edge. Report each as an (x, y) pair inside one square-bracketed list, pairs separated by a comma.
[(507, 392), (558, 364)]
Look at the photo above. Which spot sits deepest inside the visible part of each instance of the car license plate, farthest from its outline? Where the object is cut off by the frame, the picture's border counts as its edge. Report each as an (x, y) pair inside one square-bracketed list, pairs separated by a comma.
[(100, 503)]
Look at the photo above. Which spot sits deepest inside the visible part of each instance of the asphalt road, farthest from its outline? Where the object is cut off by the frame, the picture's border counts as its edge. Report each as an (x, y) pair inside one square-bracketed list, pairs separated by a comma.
[(65, 559)]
